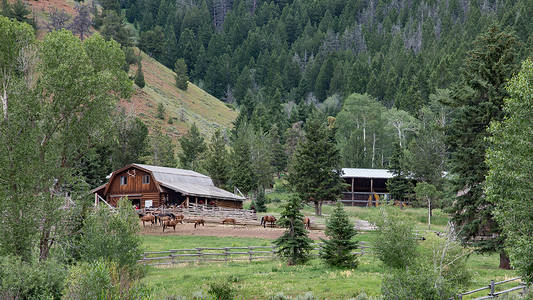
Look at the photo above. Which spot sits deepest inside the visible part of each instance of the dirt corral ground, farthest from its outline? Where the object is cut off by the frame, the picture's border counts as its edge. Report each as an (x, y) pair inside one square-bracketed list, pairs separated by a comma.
[(250, 229)]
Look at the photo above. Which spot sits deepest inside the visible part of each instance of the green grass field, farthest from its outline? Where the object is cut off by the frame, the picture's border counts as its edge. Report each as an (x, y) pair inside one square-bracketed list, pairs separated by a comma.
[(264, 279)]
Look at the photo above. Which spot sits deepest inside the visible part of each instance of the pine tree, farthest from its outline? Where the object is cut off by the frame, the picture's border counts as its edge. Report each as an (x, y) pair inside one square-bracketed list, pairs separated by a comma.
[(477, 101), (315, 174), (294, 245), (193, 146), (242, 173), (139, 76), (217, 160), (260, 201), (399, 186), (337, 249), (182, 79)]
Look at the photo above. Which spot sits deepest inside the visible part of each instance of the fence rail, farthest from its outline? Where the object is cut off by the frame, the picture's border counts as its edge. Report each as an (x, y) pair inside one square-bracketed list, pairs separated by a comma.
[(198, 210), (225, 254), (492, 287)]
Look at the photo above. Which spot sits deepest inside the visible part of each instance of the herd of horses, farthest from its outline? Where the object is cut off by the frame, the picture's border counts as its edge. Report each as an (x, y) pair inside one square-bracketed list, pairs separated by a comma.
[(171, 220)]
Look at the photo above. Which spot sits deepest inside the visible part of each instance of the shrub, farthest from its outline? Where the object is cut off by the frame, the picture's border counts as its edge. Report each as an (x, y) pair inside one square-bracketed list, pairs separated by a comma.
[(112, 236), (394, 243), (221, 291), (103, 280), (438, 272), (30, 280)]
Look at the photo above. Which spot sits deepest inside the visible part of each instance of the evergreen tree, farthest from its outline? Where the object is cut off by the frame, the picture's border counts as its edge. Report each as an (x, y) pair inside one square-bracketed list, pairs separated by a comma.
[(182, 79), (217, 160), (294, 245), (399, 186), (260, 201), (192, 146), (242, 173), (315, 173), (160, 150), (477, 101), (340, 231), (139, 76)]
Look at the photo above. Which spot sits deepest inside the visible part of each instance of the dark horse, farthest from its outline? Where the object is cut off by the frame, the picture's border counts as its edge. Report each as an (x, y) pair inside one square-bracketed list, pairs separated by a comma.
[(307, 222), (266, 219), (198, 222)]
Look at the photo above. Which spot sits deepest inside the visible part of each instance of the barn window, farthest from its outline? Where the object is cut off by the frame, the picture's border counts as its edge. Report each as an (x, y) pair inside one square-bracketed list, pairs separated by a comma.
[(123, 180), (146, 179)]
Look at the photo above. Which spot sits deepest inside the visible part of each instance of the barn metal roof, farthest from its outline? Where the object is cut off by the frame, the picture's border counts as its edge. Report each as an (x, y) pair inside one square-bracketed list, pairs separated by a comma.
[(366, 173), (172, 175), (188, 182)]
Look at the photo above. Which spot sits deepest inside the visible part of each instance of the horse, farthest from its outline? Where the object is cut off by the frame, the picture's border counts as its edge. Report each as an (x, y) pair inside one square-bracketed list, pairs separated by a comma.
[(149, 218), (266, 219), (198, 222), (164, 219), (172, 224), (179, 218), (229, 221), (307, 222)]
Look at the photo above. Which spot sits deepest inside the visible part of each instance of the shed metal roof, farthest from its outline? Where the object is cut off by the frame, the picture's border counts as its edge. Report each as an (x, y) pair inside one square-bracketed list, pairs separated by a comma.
[(366, 173), (201, 190)]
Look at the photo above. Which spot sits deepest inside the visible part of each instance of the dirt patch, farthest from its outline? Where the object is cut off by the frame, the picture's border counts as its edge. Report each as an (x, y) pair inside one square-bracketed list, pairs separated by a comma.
[(214, 229)]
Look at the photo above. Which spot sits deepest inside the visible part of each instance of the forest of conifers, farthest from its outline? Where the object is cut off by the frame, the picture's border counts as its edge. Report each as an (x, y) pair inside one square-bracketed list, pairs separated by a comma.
[(398, 51)]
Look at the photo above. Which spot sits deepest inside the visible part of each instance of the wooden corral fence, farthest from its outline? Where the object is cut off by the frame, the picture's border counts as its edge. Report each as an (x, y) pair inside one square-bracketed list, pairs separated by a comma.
[(224, 254), (197, 210), (521, 286)]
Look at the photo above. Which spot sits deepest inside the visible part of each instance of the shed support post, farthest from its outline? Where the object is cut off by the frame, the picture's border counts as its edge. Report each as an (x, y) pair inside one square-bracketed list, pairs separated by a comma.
[(371, 191), (353, 196)]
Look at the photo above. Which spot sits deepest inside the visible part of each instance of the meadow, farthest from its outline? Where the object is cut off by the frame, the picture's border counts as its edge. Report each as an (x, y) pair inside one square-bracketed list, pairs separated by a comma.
[(268, 278)]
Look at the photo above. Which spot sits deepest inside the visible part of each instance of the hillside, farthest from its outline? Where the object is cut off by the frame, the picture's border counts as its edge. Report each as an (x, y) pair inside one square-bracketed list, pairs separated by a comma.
[(182, 107)]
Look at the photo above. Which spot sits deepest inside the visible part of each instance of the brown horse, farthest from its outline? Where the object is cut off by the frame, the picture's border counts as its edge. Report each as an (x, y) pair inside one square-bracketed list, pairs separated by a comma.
[(198, 222), (172, 224), (180, 218), (229, 221), (164, 219), (307, 222), (266, 219), (149, 218)]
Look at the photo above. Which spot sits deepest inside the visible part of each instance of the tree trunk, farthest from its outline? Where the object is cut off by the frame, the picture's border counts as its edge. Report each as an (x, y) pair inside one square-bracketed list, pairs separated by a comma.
[(318, 208), (505, 263)]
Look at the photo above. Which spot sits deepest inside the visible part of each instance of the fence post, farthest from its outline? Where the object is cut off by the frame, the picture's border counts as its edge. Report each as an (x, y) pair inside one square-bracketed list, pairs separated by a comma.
[(225, 253), (491, 288), (199, 254), (250, 253)]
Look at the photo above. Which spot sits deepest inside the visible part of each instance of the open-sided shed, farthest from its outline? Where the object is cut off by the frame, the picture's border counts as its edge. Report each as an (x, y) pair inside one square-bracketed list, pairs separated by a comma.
[(153, 186), (366, 186)]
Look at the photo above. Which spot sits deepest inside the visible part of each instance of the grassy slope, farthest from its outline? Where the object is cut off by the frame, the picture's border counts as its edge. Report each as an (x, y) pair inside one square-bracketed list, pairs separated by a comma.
[(184, 107)]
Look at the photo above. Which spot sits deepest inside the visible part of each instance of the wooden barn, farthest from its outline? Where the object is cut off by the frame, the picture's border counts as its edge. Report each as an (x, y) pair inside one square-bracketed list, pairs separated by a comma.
[(367, 187), (152, 186)]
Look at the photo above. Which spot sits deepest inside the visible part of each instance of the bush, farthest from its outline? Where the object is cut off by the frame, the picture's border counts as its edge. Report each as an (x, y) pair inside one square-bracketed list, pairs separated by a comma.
[(23, 280), (394, 243), (103, 280), (221, 291), (438, 272), (112, 236)]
